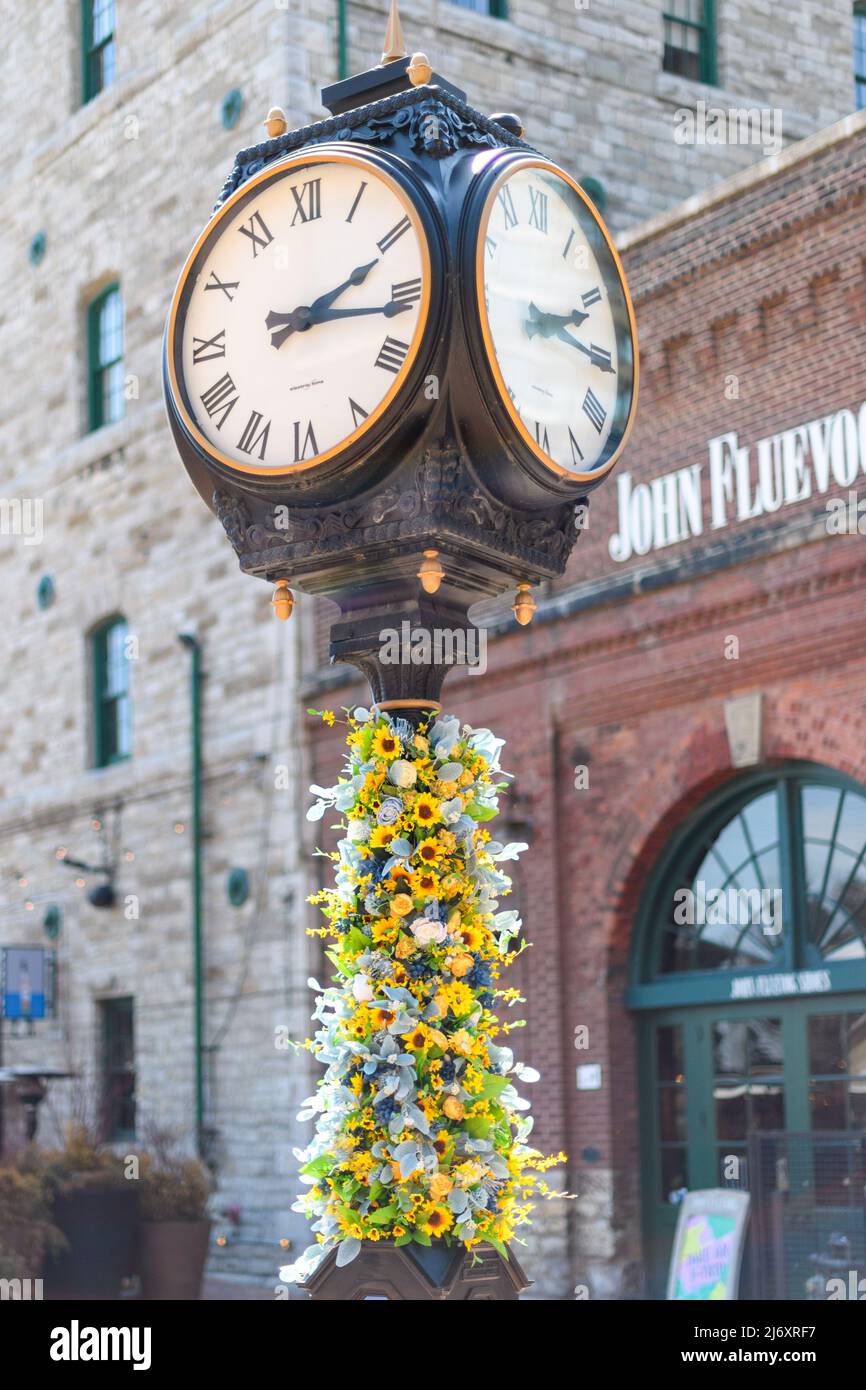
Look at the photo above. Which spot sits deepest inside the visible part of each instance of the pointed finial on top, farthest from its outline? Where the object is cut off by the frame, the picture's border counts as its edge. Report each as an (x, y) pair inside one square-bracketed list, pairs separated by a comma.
[(395, 44)]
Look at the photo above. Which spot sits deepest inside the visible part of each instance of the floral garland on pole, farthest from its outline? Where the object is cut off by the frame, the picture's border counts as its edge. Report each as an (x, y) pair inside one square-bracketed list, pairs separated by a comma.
[(420, 1132)]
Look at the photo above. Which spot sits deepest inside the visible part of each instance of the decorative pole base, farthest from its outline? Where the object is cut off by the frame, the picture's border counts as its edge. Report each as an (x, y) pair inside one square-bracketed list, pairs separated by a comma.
[(386, 1272)]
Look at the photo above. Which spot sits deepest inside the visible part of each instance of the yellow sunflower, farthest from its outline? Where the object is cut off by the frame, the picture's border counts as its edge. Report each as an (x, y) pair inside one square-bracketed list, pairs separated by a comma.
[(425, 881), (416, 1038), (381, 836), (430, 851), (425, 810), (386, 745), (436, 1220)]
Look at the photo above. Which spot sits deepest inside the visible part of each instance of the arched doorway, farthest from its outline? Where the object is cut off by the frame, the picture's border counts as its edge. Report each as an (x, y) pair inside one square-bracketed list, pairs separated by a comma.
[(748, 970)]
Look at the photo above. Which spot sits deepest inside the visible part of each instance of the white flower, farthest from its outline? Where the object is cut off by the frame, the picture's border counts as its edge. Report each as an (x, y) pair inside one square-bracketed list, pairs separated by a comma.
[(425, 931), (362, 989), (358, 830), (402, 773)]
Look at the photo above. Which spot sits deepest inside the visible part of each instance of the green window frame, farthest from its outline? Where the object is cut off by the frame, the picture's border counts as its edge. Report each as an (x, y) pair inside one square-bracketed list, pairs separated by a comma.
[(859, 18), (690, 39), (118, 1068), (496, 9), (105, 380), (112, 703), (98, 47), (801, 829)]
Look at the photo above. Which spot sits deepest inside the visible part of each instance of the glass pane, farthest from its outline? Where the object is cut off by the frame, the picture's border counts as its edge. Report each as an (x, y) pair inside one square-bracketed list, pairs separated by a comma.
[(827, 1044), (102, 20), (669, 1053), (730, 1048), (766, 1107), (110, 329), (733, 1168), (827, 1105), (857, 1044), (857, 1105), (672, 1113), (766, 1053), (731, 1115), (674, 1172), (834, 825), (116, 661)]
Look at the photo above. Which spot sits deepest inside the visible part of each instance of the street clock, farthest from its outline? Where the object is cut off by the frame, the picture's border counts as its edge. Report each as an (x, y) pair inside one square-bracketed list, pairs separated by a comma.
[(399, 355)]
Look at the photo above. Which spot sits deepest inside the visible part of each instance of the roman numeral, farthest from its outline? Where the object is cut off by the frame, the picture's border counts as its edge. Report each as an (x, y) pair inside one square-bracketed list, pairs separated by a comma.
[(576, 451), (490, 246), (538, 210), (592, 297), (601, 358), (258, 233), (359, 414), (205, 349), (226, 286), (250, 439), (506, 201), (394, 235), (307, 442), (220, 399), (392, 355), (358, 197), (568, 243), (594, 410), (407, 291), (541, 437), (308, 201)]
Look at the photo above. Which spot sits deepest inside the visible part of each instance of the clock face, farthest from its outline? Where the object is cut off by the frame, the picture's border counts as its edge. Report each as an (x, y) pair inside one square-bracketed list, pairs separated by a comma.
[(299, 314), (556, 320)]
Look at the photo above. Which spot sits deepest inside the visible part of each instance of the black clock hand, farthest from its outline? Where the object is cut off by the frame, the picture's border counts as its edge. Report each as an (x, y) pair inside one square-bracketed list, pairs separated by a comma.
[(396, 306), (548, 325), (300, 319), (599, 357)]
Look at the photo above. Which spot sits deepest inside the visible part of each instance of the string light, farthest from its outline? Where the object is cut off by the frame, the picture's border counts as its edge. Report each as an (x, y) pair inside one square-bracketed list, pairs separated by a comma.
[(60, 853), (179, 828), (80, 882)]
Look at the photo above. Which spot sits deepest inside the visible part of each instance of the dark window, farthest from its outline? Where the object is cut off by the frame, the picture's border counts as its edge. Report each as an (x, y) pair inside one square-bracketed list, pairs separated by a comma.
[(98, 48), (105, 358), (860, 54), (118, 1069), (112, 706), (496, 8), (690, 39)]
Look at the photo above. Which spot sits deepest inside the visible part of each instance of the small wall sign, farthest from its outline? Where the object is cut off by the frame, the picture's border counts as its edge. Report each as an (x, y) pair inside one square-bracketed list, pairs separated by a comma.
[(589, 1076)]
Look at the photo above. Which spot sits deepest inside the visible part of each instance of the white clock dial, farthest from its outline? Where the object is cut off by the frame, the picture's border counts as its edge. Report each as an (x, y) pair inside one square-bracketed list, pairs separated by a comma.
[(557, 320), (300, 314)]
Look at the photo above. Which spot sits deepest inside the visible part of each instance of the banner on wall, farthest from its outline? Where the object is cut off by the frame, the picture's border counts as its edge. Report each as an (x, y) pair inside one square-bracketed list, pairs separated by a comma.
[(26, 982), (708, 1246)]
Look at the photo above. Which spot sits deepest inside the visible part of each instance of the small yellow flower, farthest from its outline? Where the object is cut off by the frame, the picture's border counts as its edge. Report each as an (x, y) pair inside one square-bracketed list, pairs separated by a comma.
[(426, 882), (398, 1231), (402, 905), (405, 948), (328, 716)]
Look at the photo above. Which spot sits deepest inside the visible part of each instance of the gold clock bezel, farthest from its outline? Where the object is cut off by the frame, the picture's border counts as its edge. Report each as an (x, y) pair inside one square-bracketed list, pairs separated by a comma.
[(569, 474), (275, 171)]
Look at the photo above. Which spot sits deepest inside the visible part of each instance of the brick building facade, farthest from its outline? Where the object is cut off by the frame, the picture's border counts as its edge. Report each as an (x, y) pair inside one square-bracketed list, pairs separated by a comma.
[(625, 703)]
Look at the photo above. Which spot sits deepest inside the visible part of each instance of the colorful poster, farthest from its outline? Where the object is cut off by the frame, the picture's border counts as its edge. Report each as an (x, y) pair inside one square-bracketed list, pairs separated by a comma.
[(708, 1246), (24, 982)]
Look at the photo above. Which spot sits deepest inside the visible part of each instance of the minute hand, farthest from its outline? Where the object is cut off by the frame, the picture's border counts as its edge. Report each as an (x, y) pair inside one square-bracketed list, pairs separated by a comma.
[(396, 306), (599, 357)]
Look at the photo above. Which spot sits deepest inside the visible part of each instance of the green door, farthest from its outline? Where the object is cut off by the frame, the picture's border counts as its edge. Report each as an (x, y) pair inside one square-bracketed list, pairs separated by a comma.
[(748, 976), (714, 1077)]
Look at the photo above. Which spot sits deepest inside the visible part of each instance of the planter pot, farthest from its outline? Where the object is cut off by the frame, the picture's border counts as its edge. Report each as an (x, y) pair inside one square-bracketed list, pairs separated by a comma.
[(100, 1226), (172, 1255), (383, 1272)]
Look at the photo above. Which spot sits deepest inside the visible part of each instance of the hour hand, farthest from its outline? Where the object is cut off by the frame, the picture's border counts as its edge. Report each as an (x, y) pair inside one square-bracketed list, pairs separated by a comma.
[(550, 325), (599, 357), (297, 320)]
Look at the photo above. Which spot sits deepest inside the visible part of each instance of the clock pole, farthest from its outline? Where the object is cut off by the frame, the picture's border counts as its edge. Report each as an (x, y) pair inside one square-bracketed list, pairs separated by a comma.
[(442, 492)]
